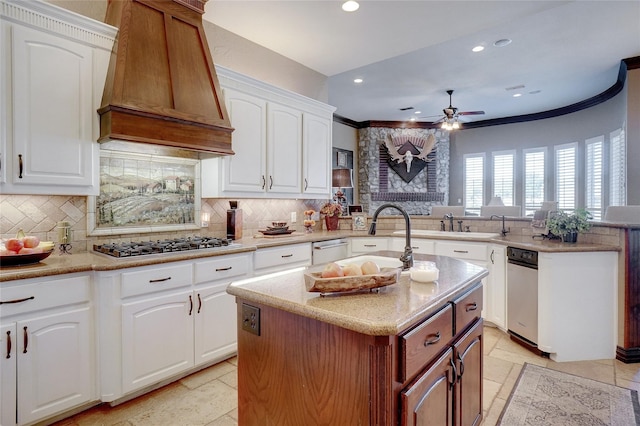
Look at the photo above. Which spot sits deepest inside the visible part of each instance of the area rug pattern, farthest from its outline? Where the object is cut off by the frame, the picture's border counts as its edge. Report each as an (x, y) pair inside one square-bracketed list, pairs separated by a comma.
[(545, 397)]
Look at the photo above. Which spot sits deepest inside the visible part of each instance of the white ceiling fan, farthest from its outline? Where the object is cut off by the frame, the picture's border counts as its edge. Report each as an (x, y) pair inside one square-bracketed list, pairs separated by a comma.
[(450, 120)]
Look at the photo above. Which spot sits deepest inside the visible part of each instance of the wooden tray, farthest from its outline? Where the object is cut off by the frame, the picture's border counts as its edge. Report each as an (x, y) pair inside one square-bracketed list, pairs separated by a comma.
[(315, 283)]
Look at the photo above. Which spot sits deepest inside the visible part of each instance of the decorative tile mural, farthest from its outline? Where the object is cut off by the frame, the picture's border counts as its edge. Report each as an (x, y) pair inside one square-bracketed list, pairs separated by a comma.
[(145, 193)]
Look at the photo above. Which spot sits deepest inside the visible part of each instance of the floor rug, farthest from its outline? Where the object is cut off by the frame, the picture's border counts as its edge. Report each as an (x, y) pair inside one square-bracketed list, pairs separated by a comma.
[(547, 397)]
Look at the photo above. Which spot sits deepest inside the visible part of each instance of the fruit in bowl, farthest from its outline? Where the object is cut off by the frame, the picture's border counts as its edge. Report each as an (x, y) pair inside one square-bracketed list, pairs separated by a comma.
[(24, 249)]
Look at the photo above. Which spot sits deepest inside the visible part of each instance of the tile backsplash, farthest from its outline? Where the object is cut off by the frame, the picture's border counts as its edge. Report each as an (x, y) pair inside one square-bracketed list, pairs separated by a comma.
[(38, 215)]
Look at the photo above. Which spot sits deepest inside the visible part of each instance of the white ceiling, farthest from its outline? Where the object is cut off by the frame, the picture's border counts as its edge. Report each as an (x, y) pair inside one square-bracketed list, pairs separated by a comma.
[(410, 52)]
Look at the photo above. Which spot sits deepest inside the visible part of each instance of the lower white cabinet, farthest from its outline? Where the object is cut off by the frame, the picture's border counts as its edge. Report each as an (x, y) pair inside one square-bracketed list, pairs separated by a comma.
[(172, 318), (418, 245), (367, 245), (496, 301), (47, 365), (273, 259)]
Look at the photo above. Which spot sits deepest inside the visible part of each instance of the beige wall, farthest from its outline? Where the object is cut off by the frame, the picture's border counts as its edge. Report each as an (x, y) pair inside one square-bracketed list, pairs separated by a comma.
[(633, 137)]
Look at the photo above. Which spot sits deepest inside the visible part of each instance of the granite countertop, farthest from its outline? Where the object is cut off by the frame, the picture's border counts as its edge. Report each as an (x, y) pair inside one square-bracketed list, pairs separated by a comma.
[(57, 264), (391, 310)]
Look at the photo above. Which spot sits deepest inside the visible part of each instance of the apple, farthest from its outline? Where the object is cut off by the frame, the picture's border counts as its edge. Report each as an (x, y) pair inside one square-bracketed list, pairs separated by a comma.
[(26, 250), (351, 270), (31, 241), (5, 252), (332, 270), (14, 244), (369, 268)]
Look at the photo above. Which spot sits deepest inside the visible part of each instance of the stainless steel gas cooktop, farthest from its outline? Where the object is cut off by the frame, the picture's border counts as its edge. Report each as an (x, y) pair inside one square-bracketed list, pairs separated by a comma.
[(141, 248)]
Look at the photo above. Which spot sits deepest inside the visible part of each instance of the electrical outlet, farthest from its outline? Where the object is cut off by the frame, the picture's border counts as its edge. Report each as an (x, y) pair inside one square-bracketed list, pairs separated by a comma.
[(294, 217), (251, 319), (459, 200)]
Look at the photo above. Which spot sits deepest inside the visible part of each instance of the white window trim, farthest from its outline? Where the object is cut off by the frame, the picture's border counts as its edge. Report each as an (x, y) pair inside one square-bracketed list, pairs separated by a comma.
[(512, 153), (556, 148), (545, 151), (464, 178), (597, 211)]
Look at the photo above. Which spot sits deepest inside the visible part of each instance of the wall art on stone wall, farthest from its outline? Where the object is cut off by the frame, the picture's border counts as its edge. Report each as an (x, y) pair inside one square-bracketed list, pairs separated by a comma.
[(407, 155), (145, 193)]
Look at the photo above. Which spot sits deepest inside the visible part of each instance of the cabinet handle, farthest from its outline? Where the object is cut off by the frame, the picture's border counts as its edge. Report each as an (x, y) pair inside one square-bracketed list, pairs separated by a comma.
[(264, 182), (433, 341), (17, 300), (492, 253), (20, 166), (471, 307), (270, 182), (454, 376), (461, 251), (371, 245), (228, 268), (286, 255), (8, 344), (190, 305), (199, 303), (306, 184), (25, 337), (461, 362), (159, 280)]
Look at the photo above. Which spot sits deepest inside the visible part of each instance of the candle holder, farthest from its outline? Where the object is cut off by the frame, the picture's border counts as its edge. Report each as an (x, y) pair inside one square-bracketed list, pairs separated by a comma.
[(309, 223), (64, 237)]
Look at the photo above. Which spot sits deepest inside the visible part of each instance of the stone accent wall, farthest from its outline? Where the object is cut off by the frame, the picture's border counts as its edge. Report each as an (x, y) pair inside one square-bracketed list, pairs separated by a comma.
[(379, 184)]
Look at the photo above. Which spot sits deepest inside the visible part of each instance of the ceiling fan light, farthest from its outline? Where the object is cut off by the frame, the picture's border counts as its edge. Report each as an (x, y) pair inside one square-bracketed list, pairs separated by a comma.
[(445, 125), (456, 125)]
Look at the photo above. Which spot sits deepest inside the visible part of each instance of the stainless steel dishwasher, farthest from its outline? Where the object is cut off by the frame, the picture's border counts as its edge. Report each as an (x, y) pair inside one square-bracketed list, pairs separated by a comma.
[(329, 251), (522, 294)]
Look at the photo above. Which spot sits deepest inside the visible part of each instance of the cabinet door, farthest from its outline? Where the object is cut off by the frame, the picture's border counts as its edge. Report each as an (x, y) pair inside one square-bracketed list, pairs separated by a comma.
[(55, 364), (52, 103), (8, 374), (215, 324), (316, 152), (428, 401), (419, 246), (245, 171), (468, 355), (284, 150), (157, 339), (496, 287)]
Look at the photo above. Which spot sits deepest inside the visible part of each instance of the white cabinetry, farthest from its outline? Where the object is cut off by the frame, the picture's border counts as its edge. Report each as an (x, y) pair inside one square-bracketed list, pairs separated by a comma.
[(54, 67), (282, 144), (496, 305), (273, 259), (367, 245), (173, 318), (47, 365), (420, 246)]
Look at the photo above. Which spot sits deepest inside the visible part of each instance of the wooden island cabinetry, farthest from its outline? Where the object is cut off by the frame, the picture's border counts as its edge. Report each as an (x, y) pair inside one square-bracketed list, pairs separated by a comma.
[(410, 354)]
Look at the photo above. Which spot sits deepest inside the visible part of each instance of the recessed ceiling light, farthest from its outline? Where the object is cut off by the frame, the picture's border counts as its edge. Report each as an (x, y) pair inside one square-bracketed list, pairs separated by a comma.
[(478, 49), (418, 112), (517, 95), (502, 42), (358, 80), (350, 6)]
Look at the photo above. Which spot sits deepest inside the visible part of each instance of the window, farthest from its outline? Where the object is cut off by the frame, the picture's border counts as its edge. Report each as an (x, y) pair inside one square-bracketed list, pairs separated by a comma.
[(473, 182), (565, 156), (534, 179), (503, 176), (617, 168), (593, 171)]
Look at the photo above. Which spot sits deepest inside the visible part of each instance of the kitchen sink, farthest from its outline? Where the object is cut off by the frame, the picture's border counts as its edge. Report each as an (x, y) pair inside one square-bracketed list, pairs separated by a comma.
[(449, 234), (381, 261)]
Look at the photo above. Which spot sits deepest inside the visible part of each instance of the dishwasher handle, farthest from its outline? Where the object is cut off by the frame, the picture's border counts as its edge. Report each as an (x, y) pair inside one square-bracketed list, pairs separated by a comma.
[(329, 246)]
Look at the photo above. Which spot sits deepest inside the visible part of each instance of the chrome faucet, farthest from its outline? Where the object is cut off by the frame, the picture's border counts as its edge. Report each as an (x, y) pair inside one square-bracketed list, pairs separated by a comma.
[(449, 217), (407, 256), (504, 230)]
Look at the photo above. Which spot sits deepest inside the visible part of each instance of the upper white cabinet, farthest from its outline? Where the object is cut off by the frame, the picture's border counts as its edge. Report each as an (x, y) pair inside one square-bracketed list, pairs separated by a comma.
[(54, 66), (282, 144)]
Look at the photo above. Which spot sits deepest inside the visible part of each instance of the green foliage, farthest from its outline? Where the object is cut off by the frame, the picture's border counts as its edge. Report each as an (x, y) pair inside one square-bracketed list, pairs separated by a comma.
[(562, 223)]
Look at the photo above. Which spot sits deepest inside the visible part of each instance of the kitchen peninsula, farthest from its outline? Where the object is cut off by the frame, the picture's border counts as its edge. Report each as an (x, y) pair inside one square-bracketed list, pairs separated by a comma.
[(363, 357)]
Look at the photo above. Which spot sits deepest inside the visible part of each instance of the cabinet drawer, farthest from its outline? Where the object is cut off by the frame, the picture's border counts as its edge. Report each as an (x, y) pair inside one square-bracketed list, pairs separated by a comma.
[(221, 268), (477, 251), (364, 245), (32, 295), (467, 308), (149, 280), (282, 256), (425, 341), (421, 246)]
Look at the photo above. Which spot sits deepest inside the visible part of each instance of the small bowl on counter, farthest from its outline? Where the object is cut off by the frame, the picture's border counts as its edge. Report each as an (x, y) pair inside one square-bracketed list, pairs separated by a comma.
[(424, 272)]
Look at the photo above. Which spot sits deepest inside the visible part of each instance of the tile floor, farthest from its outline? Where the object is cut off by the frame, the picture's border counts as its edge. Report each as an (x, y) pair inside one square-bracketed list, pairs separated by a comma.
[(209, 396)]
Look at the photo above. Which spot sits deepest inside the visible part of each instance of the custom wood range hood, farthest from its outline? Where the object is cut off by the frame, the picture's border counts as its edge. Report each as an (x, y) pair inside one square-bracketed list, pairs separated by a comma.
[(161, 85)]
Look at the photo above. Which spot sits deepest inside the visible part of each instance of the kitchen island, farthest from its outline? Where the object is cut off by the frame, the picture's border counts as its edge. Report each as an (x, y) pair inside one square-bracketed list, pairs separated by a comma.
[(380, 358)]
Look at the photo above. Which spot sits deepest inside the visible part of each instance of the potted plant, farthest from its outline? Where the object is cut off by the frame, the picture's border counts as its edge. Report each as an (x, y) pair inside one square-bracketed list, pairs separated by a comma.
[(331, 212), (569, 225)]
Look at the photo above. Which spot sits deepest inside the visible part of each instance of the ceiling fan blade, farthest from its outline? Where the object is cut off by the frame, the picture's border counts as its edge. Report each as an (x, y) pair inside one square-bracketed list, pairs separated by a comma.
[(471, 113)]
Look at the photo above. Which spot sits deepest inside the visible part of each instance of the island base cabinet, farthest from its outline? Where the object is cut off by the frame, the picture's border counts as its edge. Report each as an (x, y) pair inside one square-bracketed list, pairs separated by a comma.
[(449, 391)]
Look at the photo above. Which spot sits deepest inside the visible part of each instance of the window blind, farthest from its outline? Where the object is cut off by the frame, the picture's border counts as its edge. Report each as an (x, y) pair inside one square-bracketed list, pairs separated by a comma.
[(503, 180), (617, 168), (473, 182), (565, 176), (593, 176), (534, 179)]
